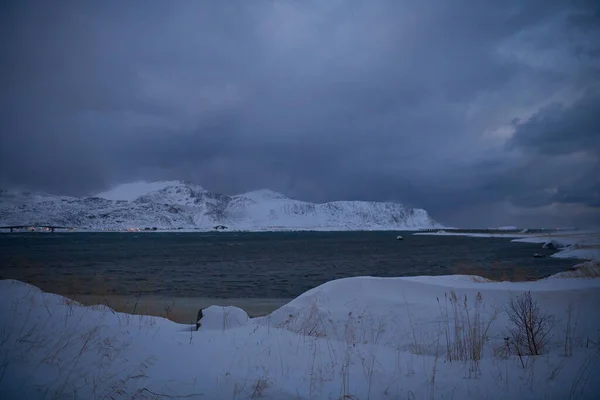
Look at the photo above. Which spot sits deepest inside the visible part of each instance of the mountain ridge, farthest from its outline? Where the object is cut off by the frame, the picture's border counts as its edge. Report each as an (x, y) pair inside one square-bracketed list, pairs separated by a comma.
[(180, 205)]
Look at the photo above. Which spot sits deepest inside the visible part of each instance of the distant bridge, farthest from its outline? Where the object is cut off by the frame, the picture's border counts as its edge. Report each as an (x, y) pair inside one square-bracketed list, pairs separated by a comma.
[(51, 227)]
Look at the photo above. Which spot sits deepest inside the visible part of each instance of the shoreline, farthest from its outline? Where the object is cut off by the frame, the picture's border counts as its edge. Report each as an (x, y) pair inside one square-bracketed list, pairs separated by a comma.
[(231, 230), (577, 245), (177, 309), (423, 230), (581, 246), (381, 324), (184, 310)]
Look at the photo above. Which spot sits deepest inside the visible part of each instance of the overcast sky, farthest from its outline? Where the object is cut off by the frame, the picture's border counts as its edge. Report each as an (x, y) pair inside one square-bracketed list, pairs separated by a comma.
[(485, 113)]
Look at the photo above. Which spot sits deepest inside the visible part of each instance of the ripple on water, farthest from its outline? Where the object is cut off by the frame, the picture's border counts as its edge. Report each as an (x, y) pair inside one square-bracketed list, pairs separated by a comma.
[(255, 265)]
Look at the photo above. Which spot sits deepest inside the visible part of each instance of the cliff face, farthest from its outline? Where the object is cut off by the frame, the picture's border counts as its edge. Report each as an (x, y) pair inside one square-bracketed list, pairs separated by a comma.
[(172, 205)]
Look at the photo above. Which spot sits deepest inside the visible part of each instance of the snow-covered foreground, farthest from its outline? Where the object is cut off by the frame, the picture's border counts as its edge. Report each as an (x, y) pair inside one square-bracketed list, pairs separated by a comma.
[(353, 338)]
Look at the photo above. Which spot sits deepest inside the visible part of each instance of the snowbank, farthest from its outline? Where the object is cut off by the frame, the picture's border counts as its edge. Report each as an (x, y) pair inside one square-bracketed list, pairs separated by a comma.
[(590, 269), (581, 254), (584, 246), (354, 338), (581, 245)]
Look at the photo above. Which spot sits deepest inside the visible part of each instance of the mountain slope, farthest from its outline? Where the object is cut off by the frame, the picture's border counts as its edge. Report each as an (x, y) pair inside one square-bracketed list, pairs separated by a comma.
[(133, 190), (175, 204)]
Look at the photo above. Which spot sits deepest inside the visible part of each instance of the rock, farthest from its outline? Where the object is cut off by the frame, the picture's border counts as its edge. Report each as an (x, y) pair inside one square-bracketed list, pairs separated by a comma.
[(198, 318), (551, 245)]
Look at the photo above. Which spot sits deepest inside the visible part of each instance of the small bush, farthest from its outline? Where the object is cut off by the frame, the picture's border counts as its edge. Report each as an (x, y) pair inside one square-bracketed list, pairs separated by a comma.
[(530, 330)]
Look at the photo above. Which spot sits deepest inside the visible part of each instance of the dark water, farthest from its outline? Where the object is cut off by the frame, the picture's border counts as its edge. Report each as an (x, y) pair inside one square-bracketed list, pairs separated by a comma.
[(253, 265)]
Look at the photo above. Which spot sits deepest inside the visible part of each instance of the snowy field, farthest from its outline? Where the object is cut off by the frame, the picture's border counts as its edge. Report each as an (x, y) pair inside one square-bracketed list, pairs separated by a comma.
[(354, 338)]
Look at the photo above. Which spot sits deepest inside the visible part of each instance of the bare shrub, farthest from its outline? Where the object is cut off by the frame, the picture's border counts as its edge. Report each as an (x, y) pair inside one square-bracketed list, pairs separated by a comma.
[(530, 329)]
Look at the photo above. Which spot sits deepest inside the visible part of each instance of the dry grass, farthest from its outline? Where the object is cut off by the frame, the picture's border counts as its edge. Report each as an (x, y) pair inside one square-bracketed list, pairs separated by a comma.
[(494, 271), (100, 290), (65, 339), (465, 327), (588, 269), (31, 338), (570, 330)]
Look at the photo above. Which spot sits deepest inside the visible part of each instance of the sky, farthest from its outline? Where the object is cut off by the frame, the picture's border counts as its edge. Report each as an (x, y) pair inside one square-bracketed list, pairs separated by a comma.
[(485, 113)]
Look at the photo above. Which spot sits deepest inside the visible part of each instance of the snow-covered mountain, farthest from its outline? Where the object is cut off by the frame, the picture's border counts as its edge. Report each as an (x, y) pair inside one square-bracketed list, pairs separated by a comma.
[(176, 204)]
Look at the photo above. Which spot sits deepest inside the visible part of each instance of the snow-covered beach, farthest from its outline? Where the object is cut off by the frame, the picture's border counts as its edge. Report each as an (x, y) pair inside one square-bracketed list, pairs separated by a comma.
[(418, 337), (359, 338), (352, 338)]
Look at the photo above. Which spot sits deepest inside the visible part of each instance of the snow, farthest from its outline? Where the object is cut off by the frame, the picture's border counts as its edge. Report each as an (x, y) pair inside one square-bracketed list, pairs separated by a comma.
[(353, 338), (584, 245), (171, 205), (582, 238), (267, 209), (223, 317), (133, 190), (588, 269), (480, 235), (581, 254), (262, 194), (580, 245)]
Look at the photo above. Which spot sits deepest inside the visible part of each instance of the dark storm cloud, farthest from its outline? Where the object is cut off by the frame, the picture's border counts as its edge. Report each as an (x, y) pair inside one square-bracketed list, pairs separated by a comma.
[(378, 100), (558, 129), (564, 140)]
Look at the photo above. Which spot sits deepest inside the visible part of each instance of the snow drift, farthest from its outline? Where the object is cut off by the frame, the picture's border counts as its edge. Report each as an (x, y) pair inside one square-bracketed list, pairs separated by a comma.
[(354, 338)]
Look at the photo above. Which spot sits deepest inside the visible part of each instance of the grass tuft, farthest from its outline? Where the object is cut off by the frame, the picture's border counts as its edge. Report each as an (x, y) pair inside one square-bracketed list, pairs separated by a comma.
[(466, 327)]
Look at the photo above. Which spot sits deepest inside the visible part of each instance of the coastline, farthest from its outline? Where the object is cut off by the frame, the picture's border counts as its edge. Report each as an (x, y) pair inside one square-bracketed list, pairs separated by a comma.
[(580, 245), (182, 310)]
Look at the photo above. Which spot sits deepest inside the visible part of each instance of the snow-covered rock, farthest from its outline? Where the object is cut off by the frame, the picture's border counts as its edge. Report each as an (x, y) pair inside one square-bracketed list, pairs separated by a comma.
[(176, 204), (553, 245), (223, 318)]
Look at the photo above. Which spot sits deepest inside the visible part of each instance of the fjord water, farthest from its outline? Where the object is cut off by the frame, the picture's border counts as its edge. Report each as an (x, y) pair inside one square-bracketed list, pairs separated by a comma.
[(269, 265)]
